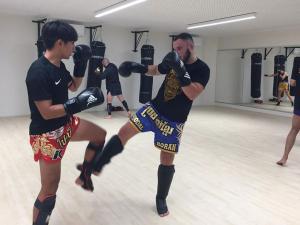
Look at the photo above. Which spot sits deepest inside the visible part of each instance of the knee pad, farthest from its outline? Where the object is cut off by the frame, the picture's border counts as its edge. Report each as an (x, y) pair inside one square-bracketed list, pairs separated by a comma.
[(45, 209)]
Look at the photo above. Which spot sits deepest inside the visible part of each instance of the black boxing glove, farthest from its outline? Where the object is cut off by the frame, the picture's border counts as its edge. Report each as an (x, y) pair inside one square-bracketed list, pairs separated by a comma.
[(81, 57), (128, 67), (172, 60), (88, 98)]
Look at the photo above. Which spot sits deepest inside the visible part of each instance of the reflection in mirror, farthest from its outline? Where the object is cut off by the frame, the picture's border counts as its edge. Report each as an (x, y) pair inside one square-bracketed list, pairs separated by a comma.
[(256, 77)]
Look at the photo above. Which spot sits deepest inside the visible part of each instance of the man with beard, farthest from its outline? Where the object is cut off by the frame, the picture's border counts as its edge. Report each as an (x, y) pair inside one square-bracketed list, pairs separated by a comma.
[(165, 115)]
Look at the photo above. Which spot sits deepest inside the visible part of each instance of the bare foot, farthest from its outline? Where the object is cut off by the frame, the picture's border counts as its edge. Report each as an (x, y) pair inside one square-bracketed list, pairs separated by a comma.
[(96, 173), (86, 185), (162, 208), (281, 162), (164, 214), (79, 182), (108, 117), (79, 167)]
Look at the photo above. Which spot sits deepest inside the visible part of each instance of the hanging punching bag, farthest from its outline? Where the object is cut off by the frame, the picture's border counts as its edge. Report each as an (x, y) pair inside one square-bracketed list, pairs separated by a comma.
[(98, 51), (40, 47), (295, 71), (146, 82), (256, 60), (279, 64)]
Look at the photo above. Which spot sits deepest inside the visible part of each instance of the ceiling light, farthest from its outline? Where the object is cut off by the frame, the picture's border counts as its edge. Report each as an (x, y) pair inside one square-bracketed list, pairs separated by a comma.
[(225, 20), (116, 7)]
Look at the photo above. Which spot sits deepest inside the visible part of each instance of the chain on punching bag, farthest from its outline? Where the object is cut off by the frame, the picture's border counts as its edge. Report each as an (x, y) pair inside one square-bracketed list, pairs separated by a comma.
[(256, 60), (98, 51), (146, 82)]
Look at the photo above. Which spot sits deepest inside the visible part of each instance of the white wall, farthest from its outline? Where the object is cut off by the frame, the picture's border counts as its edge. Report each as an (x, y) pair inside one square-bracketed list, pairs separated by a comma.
[(283, 37), (18, 51), (229, 78), (208, 53)]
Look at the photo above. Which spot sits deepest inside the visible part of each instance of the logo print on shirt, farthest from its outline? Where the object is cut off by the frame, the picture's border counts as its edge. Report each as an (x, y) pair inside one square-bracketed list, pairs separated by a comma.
[(57, 82), (172, 86)]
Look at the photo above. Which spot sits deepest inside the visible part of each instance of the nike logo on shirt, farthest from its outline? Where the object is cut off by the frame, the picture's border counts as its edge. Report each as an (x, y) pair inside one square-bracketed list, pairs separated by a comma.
[(57, 82)]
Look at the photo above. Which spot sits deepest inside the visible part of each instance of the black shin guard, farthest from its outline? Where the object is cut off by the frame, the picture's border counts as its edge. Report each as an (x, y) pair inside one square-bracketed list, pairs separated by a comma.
[(113, 147), (165, 175), (85, 176), (109, 108), (45, 208), (124, 103), (87, 167)]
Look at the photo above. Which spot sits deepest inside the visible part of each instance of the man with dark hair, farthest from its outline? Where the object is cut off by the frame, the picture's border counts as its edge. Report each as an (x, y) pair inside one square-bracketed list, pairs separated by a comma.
[(283, 86), (113, 85), (165, 115), (53, 123)]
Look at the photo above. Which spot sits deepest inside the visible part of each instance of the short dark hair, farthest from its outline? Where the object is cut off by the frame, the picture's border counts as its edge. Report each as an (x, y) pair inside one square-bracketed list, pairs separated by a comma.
[(55, 30), (184, 36)]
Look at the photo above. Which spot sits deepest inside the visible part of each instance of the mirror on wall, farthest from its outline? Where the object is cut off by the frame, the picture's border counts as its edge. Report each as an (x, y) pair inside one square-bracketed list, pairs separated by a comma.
[(256, 77)]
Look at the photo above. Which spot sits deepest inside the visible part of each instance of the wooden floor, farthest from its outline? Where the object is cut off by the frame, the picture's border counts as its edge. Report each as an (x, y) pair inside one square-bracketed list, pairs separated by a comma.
[(225, 175)]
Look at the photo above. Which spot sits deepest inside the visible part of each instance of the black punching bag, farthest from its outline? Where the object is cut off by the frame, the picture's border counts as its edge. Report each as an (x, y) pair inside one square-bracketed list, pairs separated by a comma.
[(295, 71), (40, 47), (256, 60), (146, 82), (279, 64), (98, 51)]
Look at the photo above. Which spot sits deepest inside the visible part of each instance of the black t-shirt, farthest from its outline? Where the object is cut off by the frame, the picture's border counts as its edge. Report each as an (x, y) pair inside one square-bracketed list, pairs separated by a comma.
[(296, 77), (171, 101), (286, 79), (45, 81), (111, 75)]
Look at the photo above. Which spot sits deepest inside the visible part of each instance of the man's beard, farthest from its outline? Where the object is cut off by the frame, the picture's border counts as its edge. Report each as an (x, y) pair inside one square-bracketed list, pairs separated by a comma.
[(187, 56)]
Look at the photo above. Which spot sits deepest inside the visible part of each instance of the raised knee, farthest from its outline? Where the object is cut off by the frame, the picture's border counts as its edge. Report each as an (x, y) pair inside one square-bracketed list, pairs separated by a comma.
[(100, 139)]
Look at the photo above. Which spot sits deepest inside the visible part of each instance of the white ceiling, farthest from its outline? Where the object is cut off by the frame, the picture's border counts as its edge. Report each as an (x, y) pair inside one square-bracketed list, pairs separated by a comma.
[(167, 15)]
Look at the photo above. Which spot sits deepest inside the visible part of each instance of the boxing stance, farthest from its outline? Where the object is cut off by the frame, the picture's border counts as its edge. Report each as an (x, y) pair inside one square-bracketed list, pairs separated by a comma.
[(283, 86), (53, 123), (113, 85), (165, 115)]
